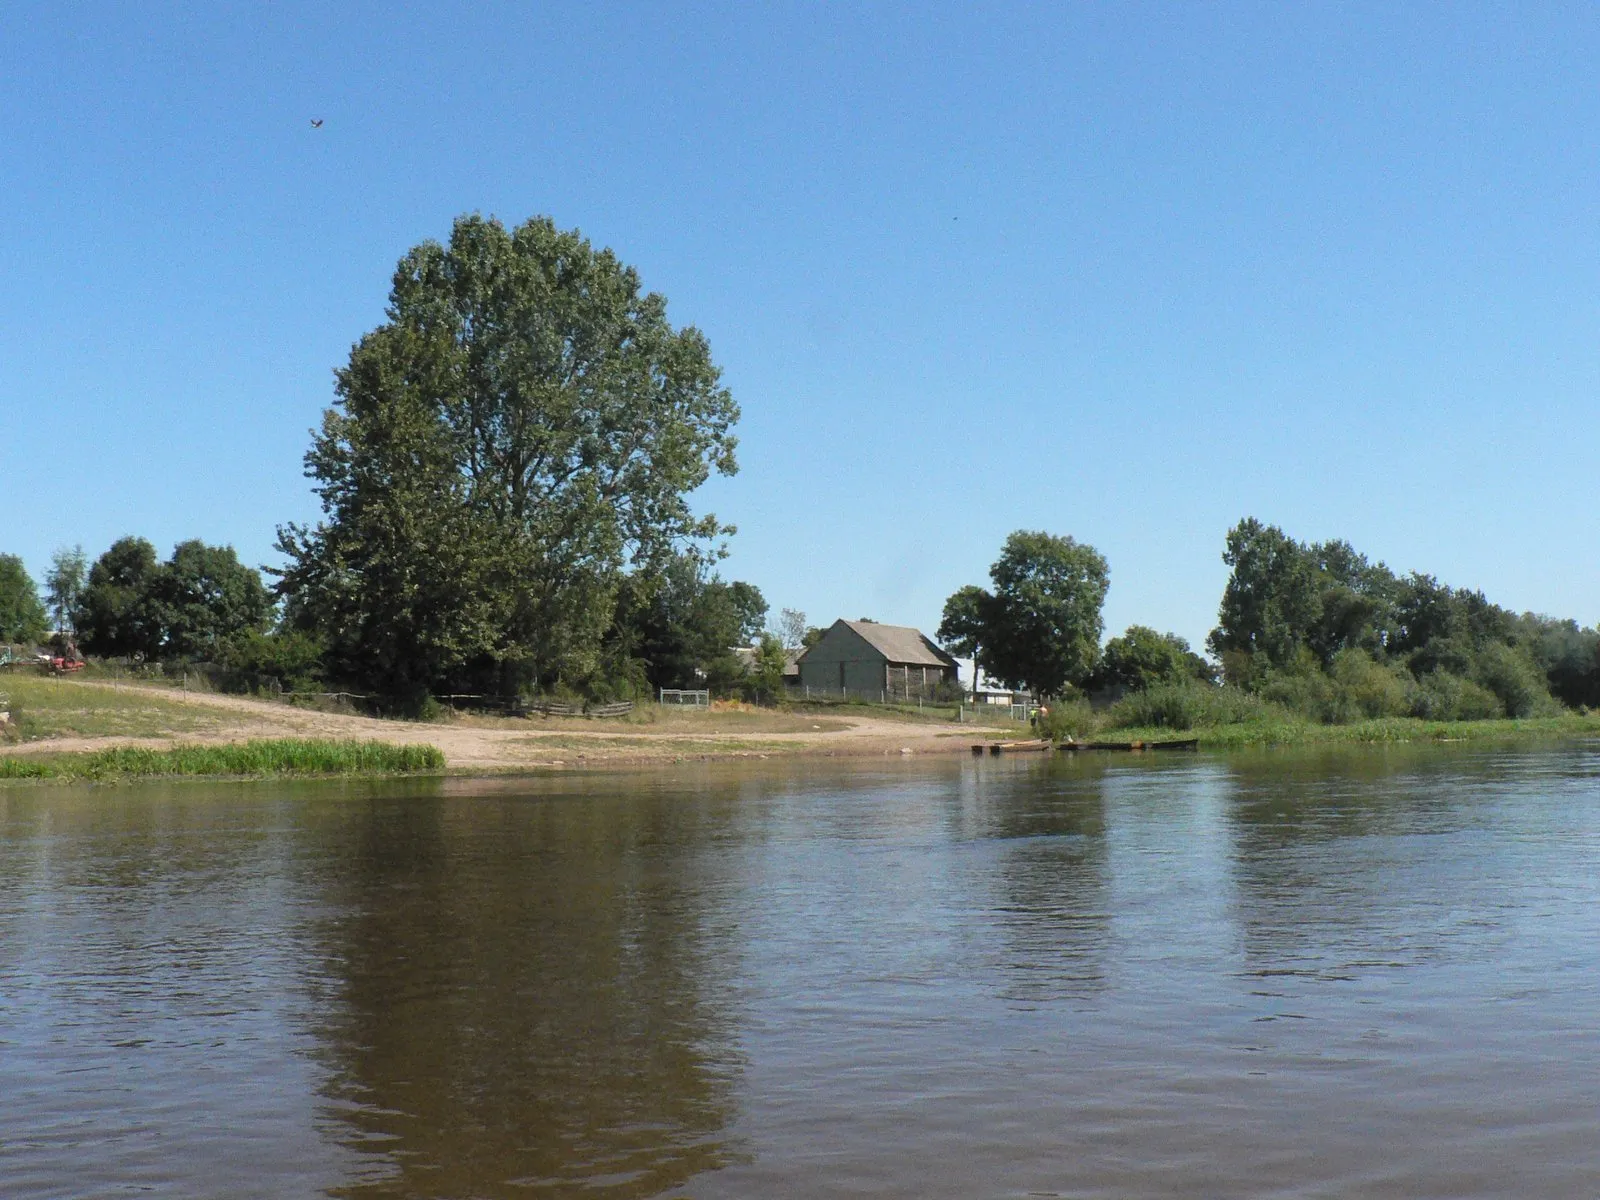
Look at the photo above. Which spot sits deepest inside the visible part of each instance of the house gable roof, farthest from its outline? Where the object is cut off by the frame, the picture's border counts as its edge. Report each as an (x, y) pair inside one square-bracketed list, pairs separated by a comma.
[(900, 644)]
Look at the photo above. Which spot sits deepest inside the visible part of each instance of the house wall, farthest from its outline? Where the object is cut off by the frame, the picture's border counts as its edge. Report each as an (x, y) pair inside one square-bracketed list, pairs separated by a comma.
[(863, 664)]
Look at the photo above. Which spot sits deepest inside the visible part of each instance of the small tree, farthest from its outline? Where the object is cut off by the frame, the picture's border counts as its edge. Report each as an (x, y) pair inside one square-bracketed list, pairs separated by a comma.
[(767, 674), (64, 587), (790, 628)]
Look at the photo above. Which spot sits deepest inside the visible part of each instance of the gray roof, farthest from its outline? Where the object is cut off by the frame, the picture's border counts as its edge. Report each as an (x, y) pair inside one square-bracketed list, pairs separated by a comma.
[(900, 644)]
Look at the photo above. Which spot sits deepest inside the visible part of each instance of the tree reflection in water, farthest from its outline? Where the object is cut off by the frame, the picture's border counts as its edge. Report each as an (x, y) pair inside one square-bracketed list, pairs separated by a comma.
[(1050, 906), (532, 993)]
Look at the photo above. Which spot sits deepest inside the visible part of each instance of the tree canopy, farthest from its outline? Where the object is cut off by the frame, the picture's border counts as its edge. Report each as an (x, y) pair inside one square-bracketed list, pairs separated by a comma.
[(64, 586), (1142, 658), (188, 607), (682, 624), (1039, 628), (524, 425), (22, 617), (1294, 612)]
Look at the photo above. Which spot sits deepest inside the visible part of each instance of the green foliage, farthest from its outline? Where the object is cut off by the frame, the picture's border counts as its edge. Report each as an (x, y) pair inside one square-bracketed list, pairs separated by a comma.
[(524, 424), (289, 659), (64, 586), (1272, 596), (965, 624), (1188, 704), (188, 607), (1143, 658), (1364, 689), (1040, 627), (22, 617), (117, 612), (266, 757), (206, 596), (1511, 675), (1064, 720), (1440, 696), (682, 624), (1568, 655), (766, 675), (1320, 630)]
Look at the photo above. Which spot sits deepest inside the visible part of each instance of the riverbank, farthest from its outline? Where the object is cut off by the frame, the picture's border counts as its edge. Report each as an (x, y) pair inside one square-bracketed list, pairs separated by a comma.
[(75, 716), (83, 729), (1375, 732), (259, 759)]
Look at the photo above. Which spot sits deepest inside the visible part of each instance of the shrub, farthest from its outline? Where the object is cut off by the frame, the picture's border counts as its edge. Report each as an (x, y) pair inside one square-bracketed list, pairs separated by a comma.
[(1061, 720), (1310, 696), (1364, 689), (1441, 696), (1165, 706), (1187, 705), (1512, 676)]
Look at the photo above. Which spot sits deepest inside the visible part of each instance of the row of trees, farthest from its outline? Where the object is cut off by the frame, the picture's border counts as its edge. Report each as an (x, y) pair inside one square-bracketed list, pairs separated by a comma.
[(1315, 627), (129, 603), (1295, 615), (1038, 626)]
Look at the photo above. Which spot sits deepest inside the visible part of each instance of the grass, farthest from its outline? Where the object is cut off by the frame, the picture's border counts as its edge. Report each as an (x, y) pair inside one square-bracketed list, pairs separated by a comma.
[(1290, 731), (61, 708), (261, 758)]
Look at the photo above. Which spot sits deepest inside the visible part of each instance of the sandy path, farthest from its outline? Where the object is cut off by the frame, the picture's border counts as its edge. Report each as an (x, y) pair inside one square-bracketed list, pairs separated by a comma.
[(520, 744)]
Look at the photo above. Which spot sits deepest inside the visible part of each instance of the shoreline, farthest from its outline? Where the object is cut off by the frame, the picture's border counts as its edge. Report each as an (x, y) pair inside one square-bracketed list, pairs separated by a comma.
[(84, 718)]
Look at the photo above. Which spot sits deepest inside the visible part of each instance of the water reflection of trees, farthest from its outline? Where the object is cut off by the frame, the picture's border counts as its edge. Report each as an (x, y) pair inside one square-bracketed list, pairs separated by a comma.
[(1049, 884), (530, 994), (1344, 862)]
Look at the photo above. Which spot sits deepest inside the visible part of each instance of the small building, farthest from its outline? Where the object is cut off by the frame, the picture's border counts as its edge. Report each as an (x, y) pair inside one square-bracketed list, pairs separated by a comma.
[(875, 661)]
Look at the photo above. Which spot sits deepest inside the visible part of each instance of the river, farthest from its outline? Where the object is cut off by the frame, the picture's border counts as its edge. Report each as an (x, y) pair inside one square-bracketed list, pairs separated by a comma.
[(1325, 973)]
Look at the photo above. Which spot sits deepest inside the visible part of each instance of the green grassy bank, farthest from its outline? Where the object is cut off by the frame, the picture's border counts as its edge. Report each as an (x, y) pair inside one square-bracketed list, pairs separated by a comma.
[(1289, 731), (262, 758)]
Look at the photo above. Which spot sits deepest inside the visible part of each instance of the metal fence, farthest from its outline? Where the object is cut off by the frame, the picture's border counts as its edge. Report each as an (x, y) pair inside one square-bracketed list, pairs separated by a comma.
[(683, 696)]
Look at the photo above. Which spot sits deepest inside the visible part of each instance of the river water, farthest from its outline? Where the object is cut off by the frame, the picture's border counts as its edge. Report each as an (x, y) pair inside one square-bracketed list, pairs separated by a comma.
[(1363, 973)]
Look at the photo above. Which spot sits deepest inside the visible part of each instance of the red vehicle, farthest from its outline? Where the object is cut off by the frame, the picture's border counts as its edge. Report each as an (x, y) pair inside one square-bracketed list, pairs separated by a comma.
[(65, 662)]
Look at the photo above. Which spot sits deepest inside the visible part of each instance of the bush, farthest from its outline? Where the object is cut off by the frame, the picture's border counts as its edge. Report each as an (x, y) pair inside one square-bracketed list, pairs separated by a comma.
[(1063, 720), (1514, 678), (1310, 696), (1186, 706), (1364, 689), (289, 661), (1441, 696)]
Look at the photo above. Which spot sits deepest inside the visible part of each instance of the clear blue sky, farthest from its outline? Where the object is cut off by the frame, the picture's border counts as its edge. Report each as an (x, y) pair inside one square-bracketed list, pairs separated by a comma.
[(1124, 272)]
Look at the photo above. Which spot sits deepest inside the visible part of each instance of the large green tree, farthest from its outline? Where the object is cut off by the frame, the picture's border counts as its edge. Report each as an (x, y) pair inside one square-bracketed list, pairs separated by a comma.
[(524, 425), (190, 606), (1039, 627), (22, 617), (206, 597), (117, 613), (1142, 658)]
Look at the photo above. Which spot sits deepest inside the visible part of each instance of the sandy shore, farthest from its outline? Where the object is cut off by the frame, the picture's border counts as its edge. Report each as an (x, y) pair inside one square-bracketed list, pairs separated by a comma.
[(480, 744)]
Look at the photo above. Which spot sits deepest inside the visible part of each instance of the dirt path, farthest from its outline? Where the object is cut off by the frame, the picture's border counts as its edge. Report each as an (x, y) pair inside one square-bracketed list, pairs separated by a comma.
[(510, 744)]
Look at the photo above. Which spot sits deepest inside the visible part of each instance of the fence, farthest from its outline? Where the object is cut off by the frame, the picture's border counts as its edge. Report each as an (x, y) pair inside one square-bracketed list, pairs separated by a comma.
[(700, 699)]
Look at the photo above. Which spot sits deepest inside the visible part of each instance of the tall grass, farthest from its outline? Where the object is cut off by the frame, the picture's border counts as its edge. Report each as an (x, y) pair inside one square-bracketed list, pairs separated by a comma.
[(263, 757)]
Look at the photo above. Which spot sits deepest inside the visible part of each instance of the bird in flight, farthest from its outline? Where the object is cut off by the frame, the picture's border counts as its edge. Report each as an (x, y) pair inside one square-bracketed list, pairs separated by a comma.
[(316, 122)]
